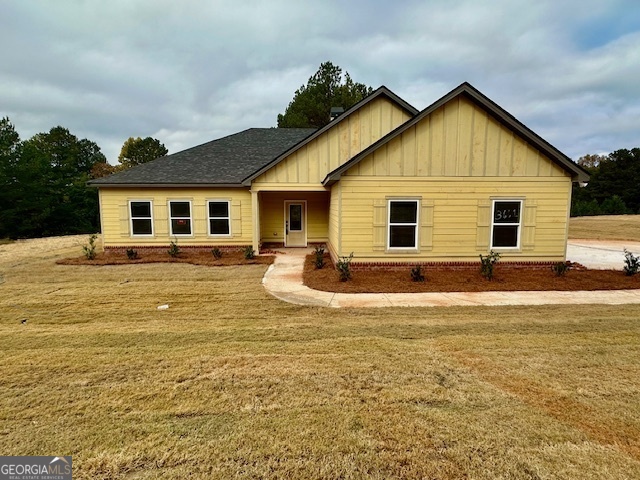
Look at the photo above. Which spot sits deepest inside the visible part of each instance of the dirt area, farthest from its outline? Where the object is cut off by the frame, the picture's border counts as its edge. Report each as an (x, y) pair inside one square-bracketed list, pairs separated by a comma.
[(449, 280), (194, 258)]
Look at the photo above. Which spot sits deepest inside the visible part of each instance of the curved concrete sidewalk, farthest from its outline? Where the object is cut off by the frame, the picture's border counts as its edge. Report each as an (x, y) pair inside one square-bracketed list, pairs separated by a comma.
[(283, 280)]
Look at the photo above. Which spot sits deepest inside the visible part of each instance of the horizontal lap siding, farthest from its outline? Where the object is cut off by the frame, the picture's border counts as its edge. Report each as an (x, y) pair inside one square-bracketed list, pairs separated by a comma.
[(455, 214), (455, 159), (115, 221)]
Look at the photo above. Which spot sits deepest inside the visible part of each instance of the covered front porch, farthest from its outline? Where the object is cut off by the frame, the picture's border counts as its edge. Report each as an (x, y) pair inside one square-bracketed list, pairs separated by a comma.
[(293, 218)]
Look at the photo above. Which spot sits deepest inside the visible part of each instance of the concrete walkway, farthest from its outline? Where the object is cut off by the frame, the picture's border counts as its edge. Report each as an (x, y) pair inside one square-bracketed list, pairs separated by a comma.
[(600, 254), (283, 280)]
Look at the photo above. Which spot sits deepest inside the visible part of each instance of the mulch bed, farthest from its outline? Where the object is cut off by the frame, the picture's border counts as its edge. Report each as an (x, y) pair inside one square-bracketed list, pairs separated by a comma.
[(194, 258), (441, 279)]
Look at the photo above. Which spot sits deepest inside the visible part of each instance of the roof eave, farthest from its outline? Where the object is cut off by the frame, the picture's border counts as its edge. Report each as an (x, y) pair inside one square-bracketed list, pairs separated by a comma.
[(166, 185)]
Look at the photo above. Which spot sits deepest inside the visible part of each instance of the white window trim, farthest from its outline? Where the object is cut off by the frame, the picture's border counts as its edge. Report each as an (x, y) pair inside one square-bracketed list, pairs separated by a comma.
[(518, 224), (416, 225), (132, 218), (219, 235), (171, 218)]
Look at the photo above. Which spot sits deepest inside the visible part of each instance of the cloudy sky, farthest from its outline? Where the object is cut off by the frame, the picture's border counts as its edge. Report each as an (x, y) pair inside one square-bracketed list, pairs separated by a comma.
[(186, 72)]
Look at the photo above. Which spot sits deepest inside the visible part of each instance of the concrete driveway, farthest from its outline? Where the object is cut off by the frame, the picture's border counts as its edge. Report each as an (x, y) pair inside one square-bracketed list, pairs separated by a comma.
[(600, 254)]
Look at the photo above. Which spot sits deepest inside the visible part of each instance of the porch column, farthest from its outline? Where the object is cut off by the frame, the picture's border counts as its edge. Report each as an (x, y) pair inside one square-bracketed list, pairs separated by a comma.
[(255, 214)]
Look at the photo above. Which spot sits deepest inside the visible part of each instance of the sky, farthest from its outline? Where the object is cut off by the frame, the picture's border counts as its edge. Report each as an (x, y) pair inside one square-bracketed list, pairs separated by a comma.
[(187, 72)]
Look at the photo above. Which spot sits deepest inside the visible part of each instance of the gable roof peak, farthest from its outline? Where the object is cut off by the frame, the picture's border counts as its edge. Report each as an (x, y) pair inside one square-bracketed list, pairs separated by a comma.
[(382, 90), (493, 109)]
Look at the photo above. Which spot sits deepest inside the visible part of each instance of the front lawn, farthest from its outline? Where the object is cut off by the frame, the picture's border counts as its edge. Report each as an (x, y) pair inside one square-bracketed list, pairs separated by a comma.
[(229, 382)]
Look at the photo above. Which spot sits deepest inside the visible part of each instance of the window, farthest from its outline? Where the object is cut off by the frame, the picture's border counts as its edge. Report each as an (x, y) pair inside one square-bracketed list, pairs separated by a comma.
[(219, 219), (505, 226), (295, 217), (403, 224), (141, 218), (180, 217)]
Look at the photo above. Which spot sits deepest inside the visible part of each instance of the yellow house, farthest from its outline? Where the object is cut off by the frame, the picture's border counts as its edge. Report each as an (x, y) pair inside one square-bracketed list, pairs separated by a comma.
[(392, 185)]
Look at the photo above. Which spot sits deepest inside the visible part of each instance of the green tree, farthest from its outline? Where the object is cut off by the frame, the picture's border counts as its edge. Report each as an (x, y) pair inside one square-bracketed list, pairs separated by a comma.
[(10, 151), (47, 188), (618, 175), (613, 186), (328, 87), (137, 151)]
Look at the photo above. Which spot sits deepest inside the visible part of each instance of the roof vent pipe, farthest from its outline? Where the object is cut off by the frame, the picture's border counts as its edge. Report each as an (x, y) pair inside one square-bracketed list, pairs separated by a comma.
[(335, 113)]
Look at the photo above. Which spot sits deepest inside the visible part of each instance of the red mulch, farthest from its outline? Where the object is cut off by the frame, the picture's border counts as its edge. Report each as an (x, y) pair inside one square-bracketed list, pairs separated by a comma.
[(194, 258), (442, 279)]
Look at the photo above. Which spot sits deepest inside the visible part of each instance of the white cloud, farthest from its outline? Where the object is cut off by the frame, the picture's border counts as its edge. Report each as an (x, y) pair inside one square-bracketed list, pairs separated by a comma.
[(187, 72)]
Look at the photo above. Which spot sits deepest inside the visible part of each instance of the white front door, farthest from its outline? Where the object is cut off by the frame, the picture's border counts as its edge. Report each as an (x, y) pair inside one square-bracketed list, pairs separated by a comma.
[(295, 224)]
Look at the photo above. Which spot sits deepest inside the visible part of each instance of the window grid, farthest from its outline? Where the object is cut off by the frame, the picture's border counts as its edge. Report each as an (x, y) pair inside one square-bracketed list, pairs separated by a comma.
[(506, 224), (219, 218), (402, 233), (141, 224), (180, 218)]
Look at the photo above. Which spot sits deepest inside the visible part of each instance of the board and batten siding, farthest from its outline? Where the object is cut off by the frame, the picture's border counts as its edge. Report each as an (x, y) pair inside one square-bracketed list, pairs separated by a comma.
[(310, 164), (455, 161), (457, 140), (114, 207)]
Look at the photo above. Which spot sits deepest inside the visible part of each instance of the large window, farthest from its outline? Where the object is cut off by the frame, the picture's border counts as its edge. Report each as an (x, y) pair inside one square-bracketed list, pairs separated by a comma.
[(219, 218), (403, 224), (505, 226), (141, 218), (180, 217)]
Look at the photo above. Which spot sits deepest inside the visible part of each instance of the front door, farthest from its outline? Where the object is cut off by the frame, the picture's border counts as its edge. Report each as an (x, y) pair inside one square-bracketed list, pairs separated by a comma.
[(295, 224)]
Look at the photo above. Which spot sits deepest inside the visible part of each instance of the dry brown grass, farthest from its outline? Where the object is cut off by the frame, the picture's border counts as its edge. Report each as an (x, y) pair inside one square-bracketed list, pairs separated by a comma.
[(232, 383), (606, 227)]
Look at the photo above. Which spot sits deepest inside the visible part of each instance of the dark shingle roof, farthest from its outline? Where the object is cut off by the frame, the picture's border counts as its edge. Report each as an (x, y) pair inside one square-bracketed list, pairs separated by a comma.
[(226, 161)]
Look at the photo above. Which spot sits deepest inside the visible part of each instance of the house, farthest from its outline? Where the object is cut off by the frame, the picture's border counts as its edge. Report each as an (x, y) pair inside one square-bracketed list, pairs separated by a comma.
[(391, 184)]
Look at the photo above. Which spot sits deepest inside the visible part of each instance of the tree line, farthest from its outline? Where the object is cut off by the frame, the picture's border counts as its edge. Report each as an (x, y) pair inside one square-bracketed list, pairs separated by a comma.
[(614, 186), (43, 189)]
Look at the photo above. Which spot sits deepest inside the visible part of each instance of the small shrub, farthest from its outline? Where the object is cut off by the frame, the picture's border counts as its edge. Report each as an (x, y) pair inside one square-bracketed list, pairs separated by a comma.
[(344, 267), (631, 263), (416, 274), (248, 252), (217, 253), (90, 249), (319, 257), (487, 263), (561, 268), (132, 254), (174, 249)]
